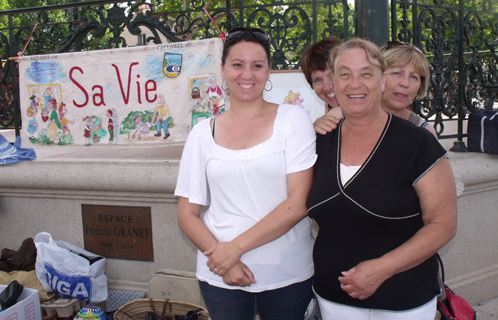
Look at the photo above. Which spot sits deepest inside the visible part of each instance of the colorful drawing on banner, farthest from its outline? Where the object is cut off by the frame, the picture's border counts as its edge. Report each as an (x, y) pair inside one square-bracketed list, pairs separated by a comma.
[(172, 65), (139, 125), (120, 96), (44, 72), (207, 97), (54, 127)]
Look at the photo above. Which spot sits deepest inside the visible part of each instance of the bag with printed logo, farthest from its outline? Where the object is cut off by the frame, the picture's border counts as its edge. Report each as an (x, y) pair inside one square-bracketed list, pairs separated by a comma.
[(70, 271)]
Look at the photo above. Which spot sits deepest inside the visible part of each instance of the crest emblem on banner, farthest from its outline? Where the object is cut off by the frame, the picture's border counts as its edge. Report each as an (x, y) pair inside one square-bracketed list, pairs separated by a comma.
[(172, 65)]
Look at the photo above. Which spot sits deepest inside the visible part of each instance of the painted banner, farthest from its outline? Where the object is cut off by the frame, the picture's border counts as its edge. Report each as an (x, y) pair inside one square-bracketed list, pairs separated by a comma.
[(149, 94)]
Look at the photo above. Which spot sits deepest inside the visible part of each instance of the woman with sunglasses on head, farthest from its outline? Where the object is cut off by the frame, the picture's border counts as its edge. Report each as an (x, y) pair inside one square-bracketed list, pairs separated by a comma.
[(406, 79), (384, 198), (252, 165)]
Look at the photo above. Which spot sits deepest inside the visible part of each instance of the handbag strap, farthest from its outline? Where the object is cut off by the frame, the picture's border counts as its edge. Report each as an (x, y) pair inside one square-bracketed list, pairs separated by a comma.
[(441, 265), (165, 305)]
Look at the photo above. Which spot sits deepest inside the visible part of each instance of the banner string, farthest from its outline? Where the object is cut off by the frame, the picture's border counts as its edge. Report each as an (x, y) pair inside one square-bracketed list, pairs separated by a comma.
[(20, 54), (222, 35)]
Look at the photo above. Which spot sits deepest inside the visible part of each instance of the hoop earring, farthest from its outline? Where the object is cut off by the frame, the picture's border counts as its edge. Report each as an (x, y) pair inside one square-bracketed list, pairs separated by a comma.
[(226, 86), (271, 86)]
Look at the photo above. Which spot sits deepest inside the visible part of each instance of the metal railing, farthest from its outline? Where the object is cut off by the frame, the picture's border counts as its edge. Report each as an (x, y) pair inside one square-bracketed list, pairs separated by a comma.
[(459, 37)]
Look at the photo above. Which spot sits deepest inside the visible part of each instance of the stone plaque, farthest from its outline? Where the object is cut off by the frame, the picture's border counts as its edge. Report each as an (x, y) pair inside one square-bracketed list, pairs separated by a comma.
[(118, 232)]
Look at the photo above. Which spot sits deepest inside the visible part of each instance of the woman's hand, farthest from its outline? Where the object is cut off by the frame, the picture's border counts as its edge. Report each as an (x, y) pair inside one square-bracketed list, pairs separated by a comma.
[(363, 280), (239, 275), (328, 122), (222, 257)]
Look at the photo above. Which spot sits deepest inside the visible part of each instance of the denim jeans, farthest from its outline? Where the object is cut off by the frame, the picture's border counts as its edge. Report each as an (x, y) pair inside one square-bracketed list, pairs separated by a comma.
[(163, 124), (287, 303)]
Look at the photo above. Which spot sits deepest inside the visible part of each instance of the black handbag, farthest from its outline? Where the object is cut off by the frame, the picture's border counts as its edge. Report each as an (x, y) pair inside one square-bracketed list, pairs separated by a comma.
[(482, 132), (9, 296), (453, 307)]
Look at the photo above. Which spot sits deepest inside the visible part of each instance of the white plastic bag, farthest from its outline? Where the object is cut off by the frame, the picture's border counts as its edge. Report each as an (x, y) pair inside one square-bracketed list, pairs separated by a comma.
[(60, 269)]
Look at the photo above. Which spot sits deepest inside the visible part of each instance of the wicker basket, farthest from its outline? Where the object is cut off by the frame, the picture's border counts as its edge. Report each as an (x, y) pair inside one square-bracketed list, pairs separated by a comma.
[(136, 309)]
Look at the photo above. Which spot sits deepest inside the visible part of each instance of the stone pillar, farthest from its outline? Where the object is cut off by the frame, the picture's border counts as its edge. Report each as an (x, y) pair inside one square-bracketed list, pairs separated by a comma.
[(372, 20)]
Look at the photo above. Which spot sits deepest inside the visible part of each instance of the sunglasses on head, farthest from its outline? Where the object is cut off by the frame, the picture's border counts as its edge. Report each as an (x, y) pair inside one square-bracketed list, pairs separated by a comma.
[(239, 32), (393, 44)]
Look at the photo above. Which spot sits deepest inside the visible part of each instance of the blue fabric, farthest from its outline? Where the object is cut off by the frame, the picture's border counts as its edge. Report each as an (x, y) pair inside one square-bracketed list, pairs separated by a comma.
[(287, 303), (14, 153)]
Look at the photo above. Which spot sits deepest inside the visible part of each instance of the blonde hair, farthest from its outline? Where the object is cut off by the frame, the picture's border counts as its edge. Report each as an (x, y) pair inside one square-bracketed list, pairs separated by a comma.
[(30, 112), (401, 56), (374, 55)]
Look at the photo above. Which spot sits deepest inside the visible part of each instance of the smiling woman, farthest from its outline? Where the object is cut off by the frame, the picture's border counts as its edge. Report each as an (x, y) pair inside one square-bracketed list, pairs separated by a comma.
[(252, 166), (381, 220)]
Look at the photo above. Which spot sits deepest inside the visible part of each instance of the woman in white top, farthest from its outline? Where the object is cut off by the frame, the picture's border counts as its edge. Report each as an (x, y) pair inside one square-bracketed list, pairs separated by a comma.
[(253, 167)]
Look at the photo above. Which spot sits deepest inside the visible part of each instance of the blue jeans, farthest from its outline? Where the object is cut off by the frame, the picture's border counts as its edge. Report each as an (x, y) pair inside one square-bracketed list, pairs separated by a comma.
[(287, 303), (164, 124)]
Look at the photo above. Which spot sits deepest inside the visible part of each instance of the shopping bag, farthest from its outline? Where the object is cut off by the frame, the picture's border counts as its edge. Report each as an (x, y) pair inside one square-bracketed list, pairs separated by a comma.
[(482, 132), (70, 271)]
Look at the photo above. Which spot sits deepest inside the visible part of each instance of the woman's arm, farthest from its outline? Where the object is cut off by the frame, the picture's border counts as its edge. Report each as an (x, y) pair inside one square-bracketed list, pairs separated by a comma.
[(280, 220), (194, 228), (437, 193), (189, 220)]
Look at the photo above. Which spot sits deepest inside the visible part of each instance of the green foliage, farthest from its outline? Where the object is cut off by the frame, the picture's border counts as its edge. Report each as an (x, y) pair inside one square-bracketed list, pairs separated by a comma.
[(128, 124)]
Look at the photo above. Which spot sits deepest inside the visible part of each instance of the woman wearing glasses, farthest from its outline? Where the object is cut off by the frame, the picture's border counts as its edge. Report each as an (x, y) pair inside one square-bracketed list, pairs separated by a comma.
[(384, 198), (252, 165), (406, 79)]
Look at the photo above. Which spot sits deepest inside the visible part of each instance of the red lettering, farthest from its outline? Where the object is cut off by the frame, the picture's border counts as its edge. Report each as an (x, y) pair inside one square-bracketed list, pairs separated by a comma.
[(127, 96), (147, 90), (138, 91), (79, 86), (100, 95)]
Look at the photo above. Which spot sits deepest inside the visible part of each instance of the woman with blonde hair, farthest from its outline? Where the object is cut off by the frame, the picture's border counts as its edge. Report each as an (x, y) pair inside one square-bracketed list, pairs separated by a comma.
[(384, 198), (407, 78)]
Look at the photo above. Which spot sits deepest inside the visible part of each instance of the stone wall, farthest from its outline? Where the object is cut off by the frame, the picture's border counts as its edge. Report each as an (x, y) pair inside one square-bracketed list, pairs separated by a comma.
[(46, 195)]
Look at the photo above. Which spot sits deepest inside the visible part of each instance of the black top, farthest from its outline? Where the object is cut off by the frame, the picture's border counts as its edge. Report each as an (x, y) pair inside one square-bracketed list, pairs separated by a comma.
[(375, 212)]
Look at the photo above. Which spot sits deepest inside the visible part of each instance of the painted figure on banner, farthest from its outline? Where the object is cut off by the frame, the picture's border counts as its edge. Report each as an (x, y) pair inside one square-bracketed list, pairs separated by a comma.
[(86, 133), (141, 128), (162, 117), (33, 124), (63, 120), (110, 126), (96, 131), (47, 95), (34, 102), (44, 114), (54, 123), (215, 96)]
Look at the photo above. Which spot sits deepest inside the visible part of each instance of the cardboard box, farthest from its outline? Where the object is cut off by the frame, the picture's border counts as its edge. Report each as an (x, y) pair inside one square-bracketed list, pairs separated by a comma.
[(176, 285), (26, 308)]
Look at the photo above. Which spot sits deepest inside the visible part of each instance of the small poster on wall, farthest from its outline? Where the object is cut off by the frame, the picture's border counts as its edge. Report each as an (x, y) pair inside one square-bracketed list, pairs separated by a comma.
[(291, 87), (148, 94)]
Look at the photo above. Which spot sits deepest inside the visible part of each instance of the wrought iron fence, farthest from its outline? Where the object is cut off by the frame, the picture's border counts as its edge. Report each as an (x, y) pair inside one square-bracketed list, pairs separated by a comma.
[(459, 37)]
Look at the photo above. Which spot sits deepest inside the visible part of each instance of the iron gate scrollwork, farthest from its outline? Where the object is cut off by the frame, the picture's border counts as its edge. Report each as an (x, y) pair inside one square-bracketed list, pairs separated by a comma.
[(460, 39)]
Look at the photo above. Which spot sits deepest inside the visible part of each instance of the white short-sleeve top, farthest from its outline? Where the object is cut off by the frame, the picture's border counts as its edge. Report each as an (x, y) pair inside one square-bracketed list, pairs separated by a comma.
[(242, 186)]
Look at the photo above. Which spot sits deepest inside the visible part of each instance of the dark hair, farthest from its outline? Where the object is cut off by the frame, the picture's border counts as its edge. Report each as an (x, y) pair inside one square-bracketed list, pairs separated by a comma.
[(316, 56), (249, 37)]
